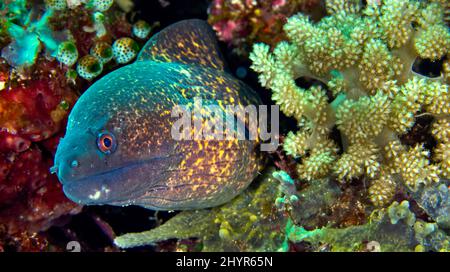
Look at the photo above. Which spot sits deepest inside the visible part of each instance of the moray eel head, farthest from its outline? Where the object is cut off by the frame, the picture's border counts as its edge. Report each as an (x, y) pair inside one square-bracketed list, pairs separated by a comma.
[(98, 163), (118, 148)]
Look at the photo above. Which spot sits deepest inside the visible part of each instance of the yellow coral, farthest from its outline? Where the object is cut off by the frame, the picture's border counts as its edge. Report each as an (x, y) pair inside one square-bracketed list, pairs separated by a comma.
[(405, 105), (295, 143), (363, 119), (318, 164), (442, 155), (413, 165), (437, 98), (376, 66), (263, 63), (441, 130), (361, 158), (433, 42), (396, 21), (446, 69), (365, 58), (432, 14), (382, 190), (299, 29), (335, 6)]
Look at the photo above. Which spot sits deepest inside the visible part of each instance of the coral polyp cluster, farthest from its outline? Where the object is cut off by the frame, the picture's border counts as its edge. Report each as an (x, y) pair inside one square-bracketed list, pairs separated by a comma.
[(364, 163), (34, 29), (46, 48), (364, 55)]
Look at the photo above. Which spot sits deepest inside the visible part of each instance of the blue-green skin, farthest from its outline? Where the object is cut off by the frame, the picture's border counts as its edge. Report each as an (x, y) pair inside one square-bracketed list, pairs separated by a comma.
[(133, 103)]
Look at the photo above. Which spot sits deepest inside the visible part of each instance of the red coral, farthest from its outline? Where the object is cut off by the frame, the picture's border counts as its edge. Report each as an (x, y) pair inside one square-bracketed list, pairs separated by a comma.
[(30, 197), (23, 241), (34, 106), (31, 123), (30, 109)]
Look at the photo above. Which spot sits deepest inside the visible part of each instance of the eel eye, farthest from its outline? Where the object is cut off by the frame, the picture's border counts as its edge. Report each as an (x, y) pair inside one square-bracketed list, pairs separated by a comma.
[(106, 142)]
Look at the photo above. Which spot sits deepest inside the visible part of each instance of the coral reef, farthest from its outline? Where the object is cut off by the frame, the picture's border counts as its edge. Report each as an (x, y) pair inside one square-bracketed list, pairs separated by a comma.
[(33, 111), (358, 123), (368, 168), (364, 56), (435, 200), (392, 229), (40, 43), (34, 28), (241, 23), (250, 222)]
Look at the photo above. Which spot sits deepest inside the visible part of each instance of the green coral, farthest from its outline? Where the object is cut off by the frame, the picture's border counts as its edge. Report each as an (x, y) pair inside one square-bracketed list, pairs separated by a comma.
[(391, 230), (364, 54), (27, 35), (29, 30), (400, 211), (67, 53), (89, 67), (247, 223)]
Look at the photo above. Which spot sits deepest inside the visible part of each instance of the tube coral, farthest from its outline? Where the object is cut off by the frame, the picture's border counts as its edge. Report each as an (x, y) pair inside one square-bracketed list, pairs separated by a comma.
[(364, 55)]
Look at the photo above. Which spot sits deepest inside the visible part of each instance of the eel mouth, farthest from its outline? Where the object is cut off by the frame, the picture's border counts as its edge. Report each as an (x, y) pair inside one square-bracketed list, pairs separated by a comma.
[(118, 186)]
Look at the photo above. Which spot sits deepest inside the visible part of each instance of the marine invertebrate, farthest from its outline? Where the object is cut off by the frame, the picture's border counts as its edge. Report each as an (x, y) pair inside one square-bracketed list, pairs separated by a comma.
[(364, 56), (102, 51), (35, 101), (141, 29), (33, 109), (287, 190), (101, 5), (56, 4), (124, 50), (408, 234), (435, 200), (67, 53), (241, 23), (35, 32), (400, 211), (27, 39), (247, 223), (89, 67)]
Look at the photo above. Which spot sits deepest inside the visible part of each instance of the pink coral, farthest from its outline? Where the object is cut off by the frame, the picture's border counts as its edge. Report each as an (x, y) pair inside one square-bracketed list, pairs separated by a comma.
[(240, 23)]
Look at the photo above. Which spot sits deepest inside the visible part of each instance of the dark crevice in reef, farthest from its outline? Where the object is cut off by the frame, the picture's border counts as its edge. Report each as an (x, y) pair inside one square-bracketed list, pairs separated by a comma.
[(420, 132), (428, 68), (168, 12)]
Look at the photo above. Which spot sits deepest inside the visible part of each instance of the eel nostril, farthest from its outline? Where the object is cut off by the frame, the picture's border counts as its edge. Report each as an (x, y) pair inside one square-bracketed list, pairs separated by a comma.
[(54, 169), (74, 163)]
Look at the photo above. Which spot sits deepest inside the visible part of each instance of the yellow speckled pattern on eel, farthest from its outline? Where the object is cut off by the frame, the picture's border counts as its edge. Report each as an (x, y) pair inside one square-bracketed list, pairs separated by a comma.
[(118, 147)]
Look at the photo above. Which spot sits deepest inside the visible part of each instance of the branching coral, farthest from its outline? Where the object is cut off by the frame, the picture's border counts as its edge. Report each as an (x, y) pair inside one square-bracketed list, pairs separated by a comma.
[(364, 55)]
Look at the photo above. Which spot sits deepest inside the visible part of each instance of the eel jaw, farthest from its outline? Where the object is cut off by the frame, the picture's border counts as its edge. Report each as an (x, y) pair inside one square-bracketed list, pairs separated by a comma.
[(120, 186)]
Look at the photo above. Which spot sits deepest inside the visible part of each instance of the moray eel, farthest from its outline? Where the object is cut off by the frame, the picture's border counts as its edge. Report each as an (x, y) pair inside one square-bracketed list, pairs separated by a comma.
[(118, 148)]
